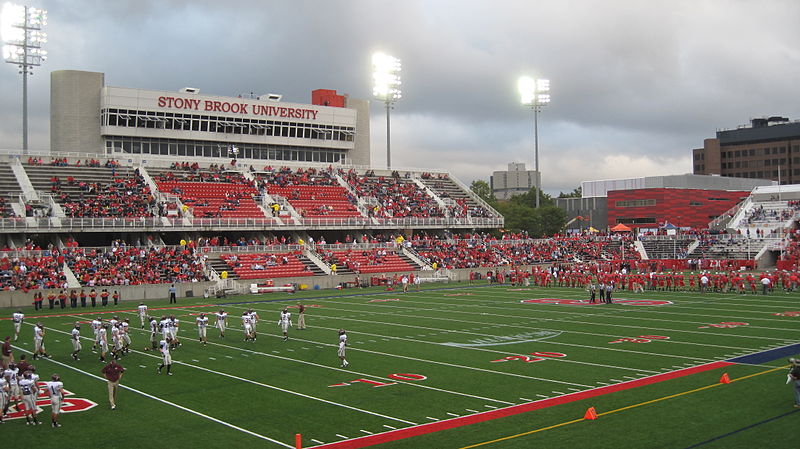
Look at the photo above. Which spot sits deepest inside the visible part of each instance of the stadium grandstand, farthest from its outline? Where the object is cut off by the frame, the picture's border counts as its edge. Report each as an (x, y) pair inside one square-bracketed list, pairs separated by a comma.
[(279, 193)]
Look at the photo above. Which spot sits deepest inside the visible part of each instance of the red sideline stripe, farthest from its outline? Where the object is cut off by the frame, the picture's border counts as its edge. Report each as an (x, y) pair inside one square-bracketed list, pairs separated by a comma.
[(105, 311), (438, 426)]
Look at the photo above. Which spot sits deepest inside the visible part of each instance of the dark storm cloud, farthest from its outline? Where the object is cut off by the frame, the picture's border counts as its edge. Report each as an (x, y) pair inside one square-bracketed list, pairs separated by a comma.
[(635, 85)]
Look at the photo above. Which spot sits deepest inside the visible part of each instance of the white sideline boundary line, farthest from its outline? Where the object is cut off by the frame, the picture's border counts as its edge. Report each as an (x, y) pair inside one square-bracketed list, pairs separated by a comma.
[(178, 406)]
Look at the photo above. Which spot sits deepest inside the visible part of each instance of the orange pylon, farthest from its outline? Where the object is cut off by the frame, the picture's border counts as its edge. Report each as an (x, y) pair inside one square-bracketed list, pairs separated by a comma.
[(590, 414), (725, 379)]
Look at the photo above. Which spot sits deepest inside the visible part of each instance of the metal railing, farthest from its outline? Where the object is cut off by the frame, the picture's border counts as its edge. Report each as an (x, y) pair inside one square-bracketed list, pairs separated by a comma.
[(59, 224)]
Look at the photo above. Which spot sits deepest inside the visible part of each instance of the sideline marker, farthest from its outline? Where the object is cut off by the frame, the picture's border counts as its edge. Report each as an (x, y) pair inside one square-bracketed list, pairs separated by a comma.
[(590, 414), (725, 379), (298, 441)]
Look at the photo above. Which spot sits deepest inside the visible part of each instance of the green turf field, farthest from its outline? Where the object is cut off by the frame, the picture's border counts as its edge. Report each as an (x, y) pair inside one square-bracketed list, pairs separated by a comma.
[(432, 356)]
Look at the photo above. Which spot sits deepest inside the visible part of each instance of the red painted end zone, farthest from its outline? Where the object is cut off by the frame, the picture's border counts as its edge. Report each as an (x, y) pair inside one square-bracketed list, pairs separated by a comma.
[(438, 426)]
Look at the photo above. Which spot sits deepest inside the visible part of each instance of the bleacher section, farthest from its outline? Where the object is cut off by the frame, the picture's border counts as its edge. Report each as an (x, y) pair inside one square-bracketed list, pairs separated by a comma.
[(376, 260), (211, 194), (728, 247), (396, 196), (462, 204), (317, 201), (666, 248), (94, 191), (266, 265)]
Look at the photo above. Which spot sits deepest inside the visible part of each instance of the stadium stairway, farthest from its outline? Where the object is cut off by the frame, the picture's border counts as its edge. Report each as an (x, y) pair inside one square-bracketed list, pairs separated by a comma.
[(10, 188), (313, 266), (72, 281), (23, 182), (413, 258), (219, 266)]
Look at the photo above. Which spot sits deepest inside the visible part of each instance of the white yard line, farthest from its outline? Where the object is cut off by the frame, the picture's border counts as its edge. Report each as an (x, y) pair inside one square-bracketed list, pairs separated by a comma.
[(261, 384), (523, 327), (351, 371), (557, 320)]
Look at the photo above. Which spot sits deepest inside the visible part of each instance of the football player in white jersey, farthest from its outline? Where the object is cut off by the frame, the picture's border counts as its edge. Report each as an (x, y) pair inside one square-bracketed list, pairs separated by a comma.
[(116, 341), (164, 346), (29, 390), (202, 323), (125, 327), (153, 334), (5, 396), (248, 326), (75, 338), (102, 341), (342, 346), (174, 324), (142, 313), (253, 322), (38, 341), (17, 318), (285, 323), (10, 375), (97, 323), (55, 389), (222, 322)]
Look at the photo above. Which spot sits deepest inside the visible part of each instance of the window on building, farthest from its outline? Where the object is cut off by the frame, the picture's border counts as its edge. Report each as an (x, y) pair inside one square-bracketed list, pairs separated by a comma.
[(635, 203)]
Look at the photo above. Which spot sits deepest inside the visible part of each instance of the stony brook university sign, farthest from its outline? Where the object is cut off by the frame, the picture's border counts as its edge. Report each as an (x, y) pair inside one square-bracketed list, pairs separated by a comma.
[(235, 107), (68, 405)]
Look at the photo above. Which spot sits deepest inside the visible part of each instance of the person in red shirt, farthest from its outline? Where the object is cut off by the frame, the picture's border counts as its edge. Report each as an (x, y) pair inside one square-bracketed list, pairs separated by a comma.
[(93, 297), (113, 373)]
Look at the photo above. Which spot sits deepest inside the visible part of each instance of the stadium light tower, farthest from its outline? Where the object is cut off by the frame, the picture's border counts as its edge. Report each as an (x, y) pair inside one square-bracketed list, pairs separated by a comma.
[(536, 94), (386, 86), (21, 31)]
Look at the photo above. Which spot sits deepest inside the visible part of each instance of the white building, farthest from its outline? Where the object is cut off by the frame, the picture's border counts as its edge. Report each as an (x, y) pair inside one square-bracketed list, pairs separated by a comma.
[(514, 181), (86, 116)]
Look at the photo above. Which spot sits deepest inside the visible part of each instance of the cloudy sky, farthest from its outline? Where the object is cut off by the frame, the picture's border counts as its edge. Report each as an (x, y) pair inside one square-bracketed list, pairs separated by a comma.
[(635, 84)]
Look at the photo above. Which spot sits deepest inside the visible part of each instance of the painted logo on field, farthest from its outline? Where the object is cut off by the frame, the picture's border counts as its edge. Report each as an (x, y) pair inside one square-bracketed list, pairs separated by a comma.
[(384, 300), (68, 404), (499, 340), (580, 302)]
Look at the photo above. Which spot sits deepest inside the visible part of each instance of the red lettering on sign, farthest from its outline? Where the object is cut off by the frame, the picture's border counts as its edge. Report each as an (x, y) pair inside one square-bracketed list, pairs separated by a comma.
[(162, 102)]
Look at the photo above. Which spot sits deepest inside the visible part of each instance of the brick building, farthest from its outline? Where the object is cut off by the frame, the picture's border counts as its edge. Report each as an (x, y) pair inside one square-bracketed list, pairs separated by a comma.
[(768, 148)]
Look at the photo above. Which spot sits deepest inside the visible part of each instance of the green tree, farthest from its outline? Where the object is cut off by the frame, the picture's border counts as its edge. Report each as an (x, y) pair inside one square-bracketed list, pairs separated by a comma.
[(521, 214), (577, 193), (529, 198), (483, 190)]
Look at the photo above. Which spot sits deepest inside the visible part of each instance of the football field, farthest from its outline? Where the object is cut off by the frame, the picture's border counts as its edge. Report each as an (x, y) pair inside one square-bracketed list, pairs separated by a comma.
[(451, 367)]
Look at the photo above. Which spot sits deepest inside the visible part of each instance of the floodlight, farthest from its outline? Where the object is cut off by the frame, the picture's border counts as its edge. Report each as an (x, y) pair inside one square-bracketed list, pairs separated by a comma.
[(386, 86), (22, 35), (535, 93), (386, 77)]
